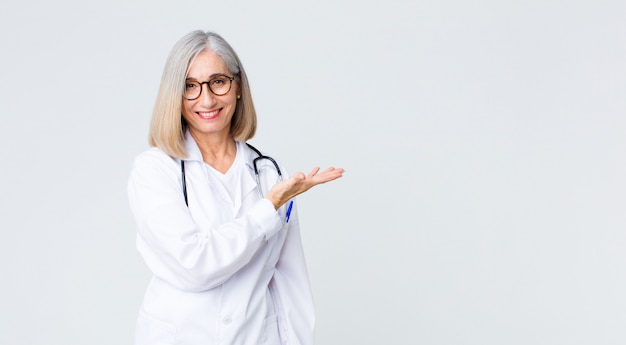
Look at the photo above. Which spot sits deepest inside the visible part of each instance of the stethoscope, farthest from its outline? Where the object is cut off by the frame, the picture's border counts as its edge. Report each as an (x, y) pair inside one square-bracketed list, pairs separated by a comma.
[(256, 172)]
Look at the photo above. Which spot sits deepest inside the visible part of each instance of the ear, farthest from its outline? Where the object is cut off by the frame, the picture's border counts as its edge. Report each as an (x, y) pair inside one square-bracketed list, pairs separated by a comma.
[(238, 91)]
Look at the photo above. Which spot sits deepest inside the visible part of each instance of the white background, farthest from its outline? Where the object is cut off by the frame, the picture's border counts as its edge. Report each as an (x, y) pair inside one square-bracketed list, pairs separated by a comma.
[(484, 141)]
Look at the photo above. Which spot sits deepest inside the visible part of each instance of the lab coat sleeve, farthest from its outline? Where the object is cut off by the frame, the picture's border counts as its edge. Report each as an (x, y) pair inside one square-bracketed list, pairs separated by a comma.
[(291, 289), (175, 248)]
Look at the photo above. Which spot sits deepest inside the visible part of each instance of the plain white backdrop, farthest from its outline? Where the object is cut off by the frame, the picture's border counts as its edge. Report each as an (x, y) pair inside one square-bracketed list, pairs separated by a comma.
[(485, 195)]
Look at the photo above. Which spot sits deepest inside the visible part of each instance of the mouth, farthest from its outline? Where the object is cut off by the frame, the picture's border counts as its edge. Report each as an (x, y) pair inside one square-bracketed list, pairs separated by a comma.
[(208, 115)]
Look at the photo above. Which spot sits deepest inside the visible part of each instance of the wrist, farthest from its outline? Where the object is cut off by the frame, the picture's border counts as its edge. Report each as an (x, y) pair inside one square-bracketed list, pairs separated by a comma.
[(274, 201)]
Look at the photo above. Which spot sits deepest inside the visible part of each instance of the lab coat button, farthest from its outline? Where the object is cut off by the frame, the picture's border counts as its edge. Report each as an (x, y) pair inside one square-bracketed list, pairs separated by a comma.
[(227, 320)]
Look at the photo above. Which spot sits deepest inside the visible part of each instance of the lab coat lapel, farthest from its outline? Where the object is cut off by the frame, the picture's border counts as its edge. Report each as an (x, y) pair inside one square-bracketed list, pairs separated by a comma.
[(202, 194), (193, 151), (248, 181)]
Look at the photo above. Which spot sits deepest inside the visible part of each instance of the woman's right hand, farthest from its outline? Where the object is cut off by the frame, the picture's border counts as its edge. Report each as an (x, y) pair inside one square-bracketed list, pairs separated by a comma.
[(299, 183)]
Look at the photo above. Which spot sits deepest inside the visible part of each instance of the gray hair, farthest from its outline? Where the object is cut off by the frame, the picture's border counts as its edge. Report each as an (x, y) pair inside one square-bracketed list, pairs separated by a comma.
[(167, 129)]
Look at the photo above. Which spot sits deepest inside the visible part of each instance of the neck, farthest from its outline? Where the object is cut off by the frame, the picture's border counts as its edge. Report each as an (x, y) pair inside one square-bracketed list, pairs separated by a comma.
[(218, 151)]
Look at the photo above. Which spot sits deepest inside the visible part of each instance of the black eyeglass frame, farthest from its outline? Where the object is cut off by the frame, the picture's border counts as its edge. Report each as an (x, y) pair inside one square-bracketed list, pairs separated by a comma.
[(208, 85)]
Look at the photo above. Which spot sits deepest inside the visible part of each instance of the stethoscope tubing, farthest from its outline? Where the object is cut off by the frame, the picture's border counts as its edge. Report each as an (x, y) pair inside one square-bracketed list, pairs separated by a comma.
[(254, 164)]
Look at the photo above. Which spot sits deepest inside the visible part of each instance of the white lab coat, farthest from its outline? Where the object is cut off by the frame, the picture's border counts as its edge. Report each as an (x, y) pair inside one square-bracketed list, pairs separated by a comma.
[(222, 274)]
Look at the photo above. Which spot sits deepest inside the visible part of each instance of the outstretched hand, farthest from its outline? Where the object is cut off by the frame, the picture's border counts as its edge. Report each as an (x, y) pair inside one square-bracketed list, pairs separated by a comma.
[(299, 183)]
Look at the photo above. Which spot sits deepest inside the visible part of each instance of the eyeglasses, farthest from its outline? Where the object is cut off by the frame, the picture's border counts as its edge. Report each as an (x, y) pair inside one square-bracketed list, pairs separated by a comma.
[(218, 85)]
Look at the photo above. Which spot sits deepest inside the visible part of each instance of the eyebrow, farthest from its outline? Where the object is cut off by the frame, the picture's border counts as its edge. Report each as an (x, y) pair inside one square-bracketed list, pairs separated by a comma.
[(210, 77)]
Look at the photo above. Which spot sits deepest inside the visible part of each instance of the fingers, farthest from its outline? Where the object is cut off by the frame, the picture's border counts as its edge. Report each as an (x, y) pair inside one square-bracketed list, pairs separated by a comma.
[(314, 171), (299, 183), (303, 183), (327, 175), (332, 172)]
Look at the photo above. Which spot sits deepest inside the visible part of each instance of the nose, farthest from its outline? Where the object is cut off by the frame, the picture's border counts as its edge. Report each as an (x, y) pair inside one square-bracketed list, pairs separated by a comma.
[(207, 97)]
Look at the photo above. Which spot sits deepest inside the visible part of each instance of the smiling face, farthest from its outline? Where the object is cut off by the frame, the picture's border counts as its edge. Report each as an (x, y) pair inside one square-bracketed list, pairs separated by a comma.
[(209, 115)]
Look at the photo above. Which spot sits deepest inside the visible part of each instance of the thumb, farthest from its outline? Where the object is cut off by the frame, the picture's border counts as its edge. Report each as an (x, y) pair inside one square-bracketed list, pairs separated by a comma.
[(299, 176)]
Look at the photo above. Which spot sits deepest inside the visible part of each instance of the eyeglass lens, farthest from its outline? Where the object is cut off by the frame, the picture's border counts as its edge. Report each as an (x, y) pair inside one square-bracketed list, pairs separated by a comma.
[(219, 86)]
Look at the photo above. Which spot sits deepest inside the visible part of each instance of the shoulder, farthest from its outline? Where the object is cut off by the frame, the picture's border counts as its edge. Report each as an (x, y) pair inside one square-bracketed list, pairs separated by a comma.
[(253, 152), (154, 160), (153, 154), (153, 175), (249, 148)]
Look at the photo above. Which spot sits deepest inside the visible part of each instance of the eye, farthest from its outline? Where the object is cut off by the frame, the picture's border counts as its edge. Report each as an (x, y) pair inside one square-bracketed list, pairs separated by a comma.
[(191, 86), (219, 81)]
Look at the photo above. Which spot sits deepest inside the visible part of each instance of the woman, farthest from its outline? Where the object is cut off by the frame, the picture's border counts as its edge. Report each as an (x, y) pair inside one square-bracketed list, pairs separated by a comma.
[(223, 243)]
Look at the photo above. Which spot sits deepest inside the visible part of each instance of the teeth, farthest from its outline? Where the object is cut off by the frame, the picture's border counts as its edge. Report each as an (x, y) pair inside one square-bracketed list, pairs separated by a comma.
[(208, 114)]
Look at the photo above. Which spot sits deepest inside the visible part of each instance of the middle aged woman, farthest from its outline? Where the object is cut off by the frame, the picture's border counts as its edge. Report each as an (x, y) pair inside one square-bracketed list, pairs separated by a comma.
[(215, 222)]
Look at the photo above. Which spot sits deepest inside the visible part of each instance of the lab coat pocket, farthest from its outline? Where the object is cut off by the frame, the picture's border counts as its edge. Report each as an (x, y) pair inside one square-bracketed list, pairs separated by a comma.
[(152, 331), (270, 331)]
